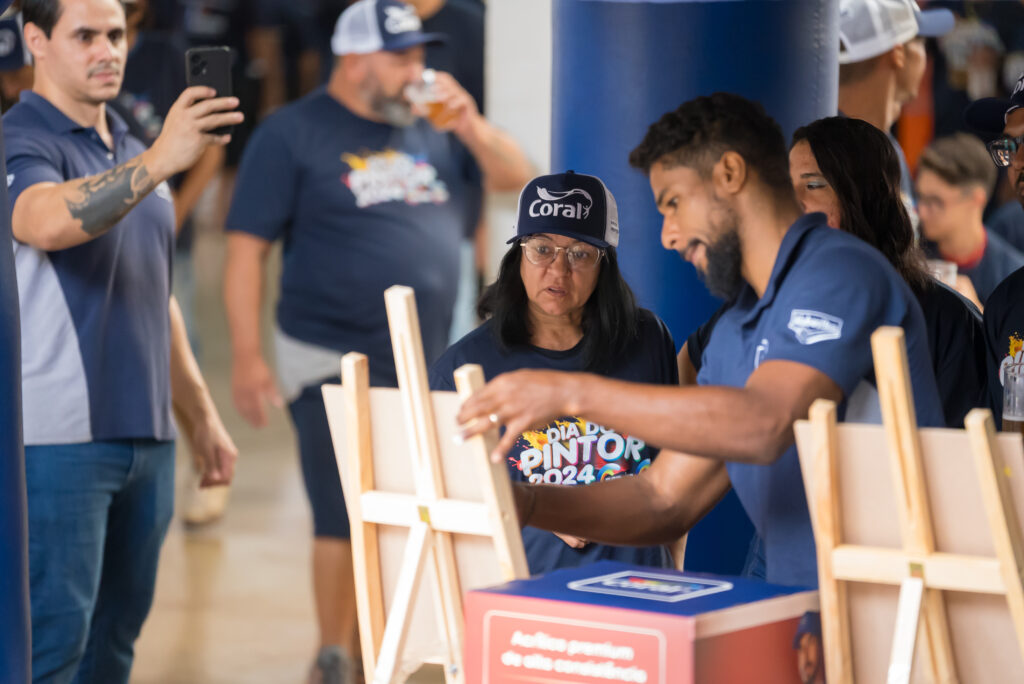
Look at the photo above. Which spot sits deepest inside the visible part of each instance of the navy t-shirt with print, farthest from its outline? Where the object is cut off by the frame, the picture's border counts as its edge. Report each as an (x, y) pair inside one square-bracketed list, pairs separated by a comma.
[(94, 318), (827, 294), (1004, 335), (360, 206), (571, 450)]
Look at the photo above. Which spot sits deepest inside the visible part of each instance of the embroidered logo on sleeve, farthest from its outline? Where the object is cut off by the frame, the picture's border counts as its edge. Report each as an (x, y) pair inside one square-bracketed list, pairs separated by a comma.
[(811, 327)]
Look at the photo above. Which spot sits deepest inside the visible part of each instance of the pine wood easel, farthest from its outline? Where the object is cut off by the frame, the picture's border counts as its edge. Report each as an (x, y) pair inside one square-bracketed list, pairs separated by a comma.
[(436, 516), (919, 460)]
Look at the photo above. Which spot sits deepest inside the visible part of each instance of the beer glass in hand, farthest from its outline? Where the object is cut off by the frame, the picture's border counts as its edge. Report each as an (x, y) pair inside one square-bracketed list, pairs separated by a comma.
[(1013, 398), (424, 94)]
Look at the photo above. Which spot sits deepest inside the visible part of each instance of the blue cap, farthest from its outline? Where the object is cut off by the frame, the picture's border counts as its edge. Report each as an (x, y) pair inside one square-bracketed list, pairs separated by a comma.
[(13, 53), (810, 623), (987, 116), (374, 25), (572, 204)]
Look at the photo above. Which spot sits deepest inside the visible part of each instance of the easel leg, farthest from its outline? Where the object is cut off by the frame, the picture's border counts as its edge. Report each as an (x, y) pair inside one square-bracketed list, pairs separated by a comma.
[(417, 548), (904, 640)]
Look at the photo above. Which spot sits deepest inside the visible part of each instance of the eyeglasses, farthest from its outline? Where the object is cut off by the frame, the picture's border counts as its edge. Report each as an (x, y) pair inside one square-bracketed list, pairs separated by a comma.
[(581, 257), (1004, 149)]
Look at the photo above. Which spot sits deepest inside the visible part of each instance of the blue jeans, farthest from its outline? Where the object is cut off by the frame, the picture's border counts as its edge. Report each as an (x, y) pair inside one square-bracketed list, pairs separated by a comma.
[(97, 515)]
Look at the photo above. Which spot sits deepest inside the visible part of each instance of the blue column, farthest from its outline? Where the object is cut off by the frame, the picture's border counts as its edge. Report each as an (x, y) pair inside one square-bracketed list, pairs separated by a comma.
[(618, 66), (14, 608)]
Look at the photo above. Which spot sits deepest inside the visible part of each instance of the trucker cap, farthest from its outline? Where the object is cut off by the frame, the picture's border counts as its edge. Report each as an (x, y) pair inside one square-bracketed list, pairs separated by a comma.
[(374, 25), (868, 28), (572, 204), (987, 116)]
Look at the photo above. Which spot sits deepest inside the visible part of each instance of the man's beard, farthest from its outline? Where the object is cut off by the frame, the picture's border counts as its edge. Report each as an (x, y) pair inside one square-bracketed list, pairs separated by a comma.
[(724, 273), (393, 109)]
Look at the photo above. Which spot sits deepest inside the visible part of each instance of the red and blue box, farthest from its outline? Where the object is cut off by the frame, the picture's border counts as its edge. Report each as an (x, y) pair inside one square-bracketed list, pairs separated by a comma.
[(612, 622)]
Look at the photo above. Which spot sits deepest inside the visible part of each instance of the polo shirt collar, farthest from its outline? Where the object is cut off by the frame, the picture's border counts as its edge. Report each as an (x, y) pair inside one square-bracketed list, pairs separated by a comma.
[(783, 260), (59, 122)]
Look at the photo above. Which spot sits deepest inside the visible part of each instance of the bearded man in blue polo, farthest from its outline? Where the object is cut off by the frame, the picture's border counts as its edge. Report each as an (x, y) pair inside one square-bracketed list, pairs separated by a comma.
[(804, 300)]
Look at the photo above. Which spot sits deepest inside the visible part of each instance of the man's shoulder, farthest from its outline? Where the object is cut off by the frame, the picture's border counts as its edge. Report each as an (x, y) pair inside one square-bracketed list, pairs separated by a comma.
[(1000, 248), (833, 255), (24, 115), (1004, 297)]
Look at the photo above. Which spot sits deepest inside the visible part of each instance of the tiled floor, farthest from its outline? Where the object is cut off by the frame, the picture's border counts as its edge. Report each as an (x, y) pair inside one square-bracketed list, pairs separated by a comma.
[(233, 601)]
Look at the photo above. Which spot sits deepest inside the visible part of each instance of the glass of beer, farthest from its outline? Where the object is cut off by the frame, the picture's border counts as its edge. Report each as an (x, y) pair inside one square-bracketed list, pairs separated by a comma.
[(424, 93), (1013, 398)]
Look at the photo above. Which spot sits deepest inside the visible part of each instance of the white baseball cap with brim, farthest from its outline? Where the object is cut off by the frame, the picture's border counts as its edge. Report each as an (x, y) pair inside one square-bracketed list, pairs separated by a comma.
[(375, 25), (868, 28)]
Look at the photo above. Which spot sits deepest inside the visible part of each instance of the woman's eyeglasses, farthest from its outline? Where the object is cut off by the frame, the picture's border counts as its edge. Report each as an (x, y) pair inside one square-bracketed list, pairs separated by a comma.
[(581, 257), (1003, 149)]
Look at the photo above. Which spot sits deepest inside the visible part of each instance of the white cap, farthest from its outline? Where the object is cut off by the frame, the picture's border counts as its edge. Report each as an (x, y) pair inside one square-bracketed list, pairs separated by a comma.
[(374, 25), (868, 28)]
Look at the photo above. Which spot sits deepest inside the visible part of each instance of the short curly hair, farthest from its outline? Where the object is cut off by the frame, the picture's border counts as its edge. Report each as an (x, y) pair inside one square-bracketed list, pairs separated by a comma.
[(699, 131)]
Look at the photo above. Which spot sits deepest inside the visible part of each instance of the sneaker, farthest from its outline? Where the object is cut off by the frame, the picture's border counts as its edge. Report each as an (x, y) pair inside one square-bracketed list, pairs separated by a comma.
[(332, 666), (205, 504)]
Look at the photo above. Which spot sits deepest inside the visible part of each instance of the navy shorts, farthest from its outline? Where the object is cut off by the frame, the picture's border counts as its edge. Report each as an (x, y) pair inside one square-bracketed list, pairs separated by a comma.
[(319, 466)]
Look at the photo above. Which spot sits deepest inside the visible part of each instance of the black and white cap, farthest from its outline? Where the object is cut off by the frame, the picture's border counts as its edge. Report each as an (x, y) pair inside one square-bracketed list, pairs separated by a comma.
[(572, 204), (374, 25), (987, 116)]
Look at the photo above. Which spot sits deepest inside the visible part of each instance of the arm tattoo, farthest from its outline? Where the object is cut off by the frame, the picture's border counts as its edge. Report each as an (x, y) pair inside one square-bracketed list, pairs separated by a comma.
[(102, 200)]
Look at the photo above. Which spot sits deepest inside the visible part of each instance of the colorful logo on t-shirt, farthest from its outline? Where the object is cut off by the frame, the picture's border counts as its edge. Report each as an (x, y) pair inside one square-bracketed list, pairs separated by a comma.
[(393, 176), (1013, 356), (573, 451)]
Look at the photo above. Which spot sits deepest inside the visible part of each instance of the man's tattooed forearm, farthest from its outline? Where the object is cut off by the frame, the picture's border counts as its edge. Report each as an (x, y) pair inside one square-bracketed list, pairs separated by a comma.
[(101, 201)]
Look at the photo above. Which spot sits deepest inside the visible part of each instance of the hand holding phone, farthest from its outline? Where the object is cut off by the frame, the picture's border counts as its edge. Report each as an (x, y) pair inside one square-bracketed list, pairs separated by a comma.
[(211, 67), (202, 115)]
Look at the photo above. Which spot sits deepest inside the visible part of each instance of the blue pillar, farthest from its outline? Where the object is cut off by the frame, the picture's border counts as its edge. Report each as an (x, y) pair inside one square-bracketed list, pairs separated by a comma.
[(15, 656), (618, 66), (14, 610)]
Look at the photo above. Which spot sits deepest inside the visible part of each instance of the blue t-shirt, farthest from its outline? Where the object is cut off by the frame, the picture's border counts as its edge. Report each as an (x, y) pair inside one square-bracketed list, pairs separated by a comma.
[(827, 294), (360, 206), (999, 260), (571, 450), (95, 328)]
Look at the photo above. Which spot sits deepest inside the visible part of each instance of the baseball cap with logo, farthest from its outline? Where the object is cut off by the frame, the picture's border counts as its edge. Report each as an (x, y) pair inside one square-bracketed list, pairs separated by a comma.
[(374, 25), (868, 28), (572, 204), (987, 116)]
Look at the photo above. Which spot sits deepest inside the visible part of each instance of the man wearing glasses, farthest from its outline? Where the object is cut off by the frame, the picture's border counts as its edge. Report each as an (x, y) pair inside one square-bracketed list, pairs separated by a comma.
[(1001, 120)]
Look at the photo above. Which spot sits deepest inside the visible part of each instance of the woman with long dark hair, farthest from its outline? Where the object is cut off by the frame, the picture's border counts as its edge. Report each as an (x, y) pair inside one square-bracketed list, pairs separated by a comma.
[(560, 303), (848, 169)]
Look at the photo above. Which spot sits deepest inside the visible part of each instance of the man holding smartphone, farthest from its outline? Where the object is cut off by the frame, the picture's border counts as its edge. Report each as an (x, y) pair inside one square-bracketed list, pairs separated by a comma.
[(364, 195), (105, 356)]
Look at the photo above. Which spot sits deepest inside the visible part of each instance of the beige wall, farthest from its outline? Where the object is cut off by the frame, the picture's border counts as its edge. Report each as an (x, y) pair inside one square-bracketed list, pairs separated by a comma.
[(518, 96)]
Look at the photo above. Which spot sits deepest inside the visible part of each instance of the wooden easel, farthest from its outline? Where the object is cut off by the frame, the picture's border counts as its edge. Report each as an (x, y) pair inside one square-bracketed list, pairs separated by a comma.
[(921, 572), (432, 519)]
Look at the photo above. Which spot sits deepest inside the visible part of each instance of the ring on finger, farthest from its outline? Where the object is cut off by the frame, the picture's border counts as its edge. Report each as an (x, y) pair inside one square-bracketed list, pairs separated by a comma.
[(494, 419)]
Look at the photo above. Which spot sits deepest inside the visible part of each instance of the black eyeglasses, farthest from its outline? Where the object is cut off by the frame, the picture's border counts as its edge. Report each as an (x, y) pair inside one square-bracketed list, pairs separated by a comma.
[(1004, 149)]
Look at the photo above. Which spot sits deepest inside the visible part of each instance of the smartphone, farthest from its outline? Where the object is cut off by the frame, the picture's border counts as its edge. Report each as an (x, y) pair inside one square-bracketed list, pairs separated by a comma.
[(211, 67)]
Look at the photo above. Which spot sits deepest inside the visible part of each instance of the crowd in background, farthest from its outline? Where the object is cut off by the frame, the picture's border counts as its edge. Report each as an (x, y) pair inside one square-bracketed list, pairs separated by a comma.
[(965, 208)]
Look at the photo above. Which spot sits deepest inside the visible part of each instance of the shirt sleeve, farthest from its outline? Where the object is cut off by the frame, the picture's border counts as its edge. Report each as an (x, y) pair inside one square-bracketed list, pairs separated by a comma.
[(442, 374), (29, 162), (832, 306), (265, 192), (697, 342)]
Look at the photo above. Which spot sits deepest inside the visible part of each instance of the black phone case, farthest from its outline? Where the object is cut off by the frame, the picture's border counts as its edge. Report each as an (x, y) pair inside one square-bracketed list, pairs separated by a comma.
[(210, 66)]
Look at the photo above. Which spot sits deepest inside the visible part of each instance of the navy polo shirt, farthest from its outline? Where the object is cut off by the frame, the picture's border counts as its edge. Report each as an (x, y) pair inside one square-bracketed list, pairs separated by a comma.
[(95, 327), (827, 294)]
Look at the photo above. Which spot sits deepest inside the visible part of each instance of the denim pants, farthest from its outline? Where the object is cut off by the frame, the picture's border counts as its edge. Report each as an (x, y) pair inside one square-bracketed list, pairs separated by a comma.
[(97, 515)]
